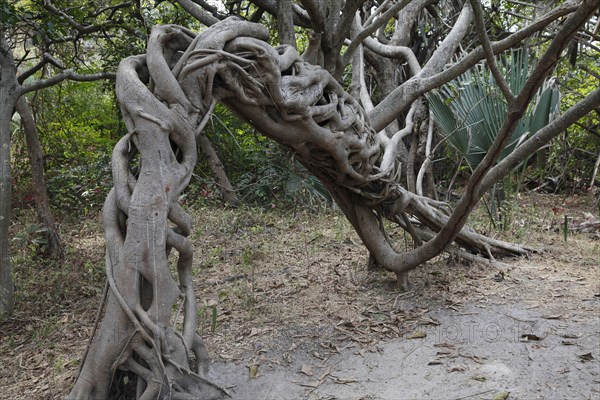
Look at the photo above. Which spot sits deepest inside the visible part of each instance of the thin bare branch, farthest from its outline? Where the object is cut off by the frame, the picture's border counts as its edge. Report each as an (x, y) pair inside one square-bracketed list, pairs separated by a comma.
[(489, 53), (66, 74), (81, 29), (405, 94), (370, 29)]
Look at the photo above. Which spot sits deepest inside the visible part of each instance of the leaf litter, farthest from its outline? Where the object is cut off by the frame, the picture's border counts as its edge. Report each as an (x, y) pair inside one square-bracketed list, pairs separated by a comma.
[(284, 285)]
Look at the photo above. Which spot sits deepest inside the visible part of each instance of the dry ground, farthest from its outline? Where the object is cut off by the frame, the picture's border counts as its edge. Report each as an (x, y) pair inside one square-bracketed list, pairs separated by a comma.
[(288, 310)]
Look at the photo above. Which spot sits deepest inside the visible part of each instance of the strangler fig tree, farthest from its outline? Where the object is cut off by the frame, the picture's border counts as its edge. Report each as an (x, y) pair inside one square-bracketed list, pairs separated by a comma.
[(167, 97)]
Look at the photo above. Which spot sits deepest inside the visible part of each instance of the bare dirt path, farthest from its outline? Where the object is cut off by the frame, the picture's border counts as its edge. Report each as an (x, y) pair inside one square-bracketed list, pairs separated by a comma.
[(474, 351)]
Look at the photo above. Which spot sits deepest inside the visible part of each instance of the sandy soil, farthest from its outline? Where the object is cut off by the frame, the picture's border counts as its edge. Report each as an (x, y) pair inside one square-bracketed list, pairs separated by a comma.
[(288, 311)]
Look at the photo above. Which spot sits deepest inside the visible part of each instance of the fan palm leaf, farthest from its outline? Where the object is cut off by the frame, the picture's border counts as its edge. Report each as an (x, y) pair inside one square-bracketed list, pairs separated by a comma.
[(470, 110)]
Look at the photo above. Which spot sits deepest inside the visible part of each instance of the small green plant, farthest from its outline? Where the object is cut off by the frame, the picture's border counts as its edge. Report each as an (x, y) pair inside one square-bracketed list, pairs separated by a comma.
[(213, 319), (82, 188), (32, 236)]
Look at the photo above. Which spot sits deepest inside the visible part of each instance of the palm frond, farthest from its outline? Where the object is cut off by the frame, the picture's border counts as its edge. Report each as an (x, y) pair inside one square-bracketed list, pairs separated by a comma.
[(470, 110)]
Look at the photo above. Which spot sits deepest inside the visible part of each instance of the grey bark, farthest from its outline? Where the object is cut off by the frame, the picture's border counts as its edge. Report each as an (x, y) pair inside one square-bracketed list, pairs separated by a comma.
[(285, 22), (40, 194), (9, 93), (302, 107)]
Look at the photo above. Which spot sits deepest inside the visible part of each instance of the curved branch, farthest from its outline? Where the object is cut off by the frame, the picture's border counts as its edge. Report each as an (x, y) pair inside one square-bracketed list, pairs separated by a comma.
[(314, 9), (489, 53), (198, 12), (301, 17), (46, 58), (401, 98), (81, 29), (473, 193), (590, 103), (371, 28), (401, 52), (66, 74)]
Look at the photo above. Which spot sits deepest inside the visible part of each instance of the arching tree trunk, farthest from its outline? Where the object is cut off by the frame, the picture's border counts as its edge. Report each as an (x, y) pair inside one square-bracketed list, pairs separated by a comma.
[(166, 98), (40, 194)]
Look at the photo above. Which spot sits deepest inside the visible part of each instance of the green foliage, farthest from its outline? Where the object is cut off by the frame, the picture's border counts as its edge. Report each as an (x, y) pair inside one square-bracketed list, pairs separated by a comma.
[(572, 156), (470, 110), (9, 15), (31, 236), (82, 188), (77, 136), (140, 20), (262, 171)]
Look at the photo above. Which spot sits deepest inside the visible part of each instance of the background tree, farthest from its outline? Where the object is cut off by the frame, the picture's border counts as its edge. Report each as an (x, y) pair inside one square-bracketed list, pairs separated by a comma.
[(353, 145), (41, 45)]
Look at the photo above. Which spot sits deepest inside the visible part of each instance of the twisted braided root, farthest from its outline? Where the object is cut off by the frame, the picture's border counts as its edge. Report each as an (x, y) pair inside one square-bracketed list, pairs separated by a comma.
[(143, 223), (166, 98)]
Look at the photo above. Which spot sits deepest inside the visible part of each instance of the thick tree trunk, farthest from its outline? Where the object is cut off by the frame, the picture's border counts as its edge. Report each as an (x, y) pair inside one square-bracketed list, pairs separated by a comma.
[(9, 93), (302, 107), (36, 158), (143, 222), (285, 22)]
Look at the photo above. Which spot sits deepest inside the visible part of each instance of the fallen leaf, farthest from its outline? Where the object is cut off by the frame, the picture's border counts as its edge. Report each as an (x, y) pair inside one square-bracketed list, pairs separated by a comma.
[(456, 368), (254, 332), (310, 384), (530, 337), (330, 346), (417, 335), (337, 379), (447, 353), (501, 396), (553, 316), (448, 345), (571, 336), (499, 277), (428, 321), (477, 359), (307, 370), (586, 357), (326, 372), (253, 371)]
